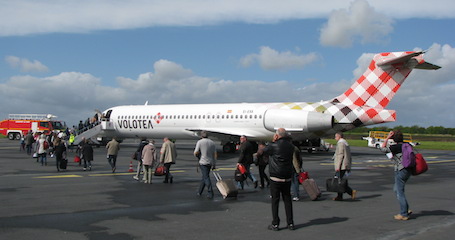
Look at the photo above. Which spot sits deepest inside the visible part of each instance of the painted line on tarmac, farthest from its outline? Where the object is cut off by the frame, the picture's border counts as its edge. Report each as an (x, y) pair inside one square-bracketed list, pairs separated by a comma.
[(61, 176), (440, 161), (97, 175)]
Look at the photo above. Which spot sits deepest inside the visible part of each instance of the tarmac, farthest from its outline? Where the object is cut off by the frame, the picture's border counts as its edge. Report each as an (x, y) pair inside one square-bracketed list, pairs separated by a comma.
[(37, 202)]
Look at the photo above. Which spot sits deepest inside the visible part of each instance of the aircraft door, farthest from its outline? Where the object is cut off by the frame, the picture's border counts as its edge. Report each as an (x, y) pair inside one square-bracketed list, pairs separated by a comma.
[(107, 116)]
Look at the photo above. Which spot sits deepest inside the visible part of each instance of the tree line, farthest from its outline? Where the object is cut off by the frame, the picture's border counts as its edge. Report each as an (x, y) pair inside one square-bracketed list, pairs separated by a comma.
[(413, 129)]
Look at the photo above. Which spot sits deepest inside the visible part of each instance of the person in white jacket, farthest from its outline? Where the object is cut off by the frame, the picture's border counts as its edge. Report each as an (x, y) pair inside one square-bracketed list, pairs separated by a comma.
[(342, 163)]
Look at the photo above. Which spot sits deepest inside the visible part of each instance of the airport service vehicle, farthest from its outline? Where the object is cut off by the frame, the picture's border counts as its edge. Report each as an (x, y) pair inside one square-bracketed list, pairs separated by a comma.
[(362, 104), (18, 125), (376, 138)]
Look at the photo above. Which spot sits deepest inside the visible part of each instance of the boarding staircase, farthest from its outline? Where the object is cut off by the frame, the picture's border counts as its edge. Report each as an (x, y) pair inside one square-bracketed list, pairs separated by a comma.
[(103, 128)]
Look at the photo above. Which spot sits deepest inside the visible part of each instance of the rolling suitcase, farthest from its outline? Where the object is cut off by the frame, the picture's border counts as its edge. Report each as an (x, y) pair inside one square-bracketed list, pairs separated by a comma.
[(311, 188), (227, 188)]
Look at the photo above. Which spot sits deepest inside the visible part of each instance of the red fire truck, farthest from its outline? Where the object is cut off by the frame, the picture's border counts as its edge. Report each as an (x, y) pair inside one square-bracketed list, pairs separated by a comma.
[(18, 125)]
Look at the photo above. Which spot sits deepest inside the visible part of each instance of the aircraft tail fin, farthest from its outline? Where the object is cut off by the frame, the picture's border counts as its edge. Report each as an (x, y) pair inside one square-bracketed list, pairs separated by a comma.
[(384, 76)]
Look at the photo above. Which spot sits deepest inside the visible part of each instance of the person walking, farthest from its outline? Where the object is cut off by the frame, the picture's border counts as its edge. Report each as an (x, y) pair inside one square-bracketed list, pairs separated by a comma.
[(138, 155), (42, 149), (297, 164), (262, 162), (246, 150), (112, 151), (281, 171), (206, 152), (148, 156), (87, 154), (342, 163), (59, 151), (402, 174), (29, 142), (168, 155)]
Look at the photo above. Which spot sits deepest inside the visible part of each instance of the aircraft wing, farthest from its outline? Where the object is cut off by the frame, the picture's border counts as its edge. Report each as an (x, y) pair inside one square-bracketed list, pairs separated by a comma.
[(229, 132)]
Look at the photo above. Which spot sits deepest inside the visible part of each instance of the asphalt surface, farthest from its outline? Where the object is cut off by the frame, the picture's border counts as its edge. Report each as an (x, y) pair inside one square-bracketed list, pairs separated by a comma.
[(37, 202)]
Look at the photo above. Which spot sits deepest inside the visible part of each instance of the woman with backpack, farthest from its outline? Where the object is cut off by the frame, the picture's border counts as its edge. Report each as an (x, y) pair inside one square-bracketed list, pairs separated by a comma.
[(402, 173)]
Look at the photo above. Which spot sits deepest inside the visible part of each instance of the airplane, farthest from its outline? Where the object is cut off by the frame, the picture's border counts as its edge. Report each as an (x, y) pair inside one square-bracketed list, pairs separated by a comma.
[(362, 104)]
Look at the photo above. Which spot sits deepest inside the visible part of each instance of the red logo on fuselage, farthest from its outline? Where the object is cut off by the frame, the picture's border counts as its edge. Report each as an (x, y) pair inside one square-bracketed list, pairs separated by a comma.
[(158, 118)]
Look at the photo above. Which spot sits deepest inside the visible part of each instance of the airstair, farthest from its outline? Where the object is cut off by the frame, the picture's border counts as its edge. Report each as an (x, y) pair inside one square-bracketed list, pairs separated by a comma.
[(101, 129)]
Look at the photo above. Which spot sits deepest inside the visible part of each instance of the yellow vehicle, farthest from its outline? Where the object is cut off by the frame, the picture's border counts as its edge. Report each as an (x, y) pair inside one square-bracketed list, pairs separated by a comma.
[(376, 138)]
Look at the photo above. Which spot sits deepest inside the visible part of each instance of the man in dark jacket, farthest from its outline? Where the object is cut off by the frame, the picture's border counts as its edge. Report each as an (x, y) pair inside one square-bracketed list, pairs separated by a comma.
[(281, 171), (246, 150)]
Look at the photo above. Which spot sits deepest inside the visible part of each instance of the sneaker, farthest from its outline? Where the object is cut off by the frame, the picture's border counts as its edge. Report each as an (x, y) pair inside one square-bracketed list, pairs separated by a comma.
[(295, 199), (354, 193), (273, 227), (136, 178), (291, 227), (85, 169), (400, 217)]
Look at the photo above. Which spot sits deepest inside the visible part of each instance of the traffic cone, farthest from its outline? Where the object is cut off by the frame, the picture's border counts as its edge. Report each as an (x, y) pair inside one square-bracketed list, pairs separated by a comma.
[(131, 167)]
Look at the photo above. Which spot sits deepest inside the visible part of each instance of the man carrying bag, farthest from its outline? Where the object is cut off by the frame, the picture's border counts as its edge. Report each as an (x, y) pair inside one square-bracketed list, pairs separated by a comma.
[(342, 163)]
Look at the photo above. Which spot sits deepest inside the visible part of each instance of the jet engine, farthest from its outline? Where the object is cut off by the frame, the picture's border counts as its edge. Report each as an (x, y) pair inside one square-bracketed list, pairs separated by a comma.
[(297, 120)]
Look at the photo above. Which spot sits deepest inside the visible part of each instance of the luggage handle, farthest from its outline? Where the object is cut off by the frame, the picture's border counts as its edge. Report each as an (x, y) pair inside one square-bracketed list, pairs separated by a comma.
[(217, 176)]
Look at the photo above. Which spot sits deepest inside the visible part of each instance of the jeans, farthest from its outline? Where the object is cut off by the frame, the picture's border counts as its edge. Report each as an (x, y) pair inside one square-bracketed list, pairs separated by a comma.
[(29, 149), (87, 164), (263, 175), (139, 168), (168, 172), (205, 169), (283, 188), (43, 159), (401, 177), (112, 159), (295, 185)]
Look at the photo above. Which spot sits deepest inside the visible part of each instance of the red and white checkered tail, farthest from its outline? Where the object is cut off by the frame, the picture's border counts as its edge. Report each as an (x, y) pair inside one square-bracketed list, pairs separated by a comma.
[(377, 86)]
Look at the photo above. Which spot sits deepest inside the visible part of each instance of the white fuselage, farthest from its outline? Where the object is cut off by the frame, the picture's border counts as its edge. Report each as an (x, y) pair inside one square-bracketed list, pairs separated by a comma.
[(256, 120)]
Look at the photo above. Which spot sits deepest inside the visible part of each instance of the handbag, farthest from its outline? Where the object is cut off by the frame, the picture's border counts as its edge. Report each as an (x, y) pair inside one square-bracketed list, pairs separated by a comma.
[(77, 159), (336, 184), (238, 176), (421, 165), (160, 170), (303, 176), (241, 168)]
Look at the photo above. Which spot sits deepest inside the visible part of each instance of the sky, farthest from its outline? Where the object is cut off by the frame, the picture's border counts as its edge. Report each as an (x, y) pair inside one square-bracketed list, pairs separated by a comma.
[(70, 58)]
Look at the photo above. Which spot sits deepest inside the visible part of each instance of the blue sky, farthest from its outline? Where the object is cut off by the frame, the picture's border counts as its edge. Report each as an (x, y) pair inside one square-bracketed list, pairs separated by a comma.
[(71, 57)]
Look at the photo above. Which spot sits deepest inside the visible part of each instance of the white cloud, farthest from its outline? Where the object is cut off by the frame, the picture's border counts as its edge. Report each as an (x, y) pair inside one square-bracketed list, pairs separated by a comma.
[(24, 17), (360, 21), (270, 59), (424, 99), (26, 65)]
